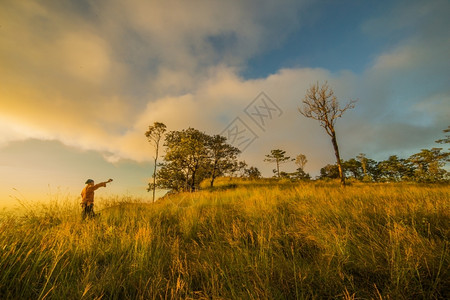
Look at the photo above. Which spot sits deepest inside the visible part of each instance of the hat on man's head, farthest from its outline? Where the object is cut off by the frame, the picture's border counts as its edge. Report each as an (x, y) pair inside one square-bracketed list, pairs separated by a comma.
[(89, 181)]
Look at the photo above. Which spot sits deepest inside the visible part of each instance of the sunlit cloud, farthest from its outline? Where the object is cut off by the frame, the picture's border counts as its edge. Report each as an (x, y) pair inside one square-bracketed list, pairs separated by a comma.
[(95, 75)]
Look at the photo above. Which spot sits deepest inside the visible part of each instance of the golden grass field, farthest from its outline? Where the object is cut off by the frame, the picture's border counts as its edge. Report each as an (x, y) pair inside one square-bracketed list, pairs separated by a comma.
[(243, 240)]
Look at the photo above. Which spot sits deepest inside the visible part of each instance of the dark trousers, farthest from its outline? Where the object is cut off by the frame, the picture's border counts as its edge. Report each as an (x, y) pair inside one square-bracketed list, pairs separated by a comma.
[(88, 211)]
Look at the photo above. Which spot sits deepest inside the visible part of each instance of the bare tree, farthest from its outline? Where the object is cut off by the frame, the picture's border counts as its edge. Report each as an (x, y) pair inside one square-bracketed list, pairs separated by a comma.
[(301, 161), (363, 160), (154, 135), (321, 104)]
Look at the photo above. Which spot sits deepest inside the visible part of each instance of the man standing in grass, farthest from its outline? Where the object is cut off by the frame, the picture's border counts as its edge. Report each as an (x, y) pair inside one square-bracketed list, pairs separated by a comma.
[(87, 197)]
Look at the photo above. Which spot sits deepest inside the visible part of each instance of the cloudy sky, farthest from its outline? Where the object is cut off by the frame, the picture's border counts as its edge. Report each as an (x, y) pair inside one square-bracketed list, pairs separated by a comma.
[(82, 80)]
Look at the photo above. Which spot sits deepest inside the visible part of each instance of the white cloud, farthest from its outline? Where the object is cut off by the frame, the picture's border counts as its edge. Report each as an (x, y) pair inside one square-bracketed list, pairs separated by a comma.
[(98, 81)]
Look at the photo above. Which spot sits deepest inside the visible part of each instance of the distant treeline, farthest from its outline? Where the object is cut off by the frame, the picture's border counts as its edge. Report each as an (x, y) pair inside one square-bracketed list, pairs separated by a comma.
[(192, 157), (425, 166)]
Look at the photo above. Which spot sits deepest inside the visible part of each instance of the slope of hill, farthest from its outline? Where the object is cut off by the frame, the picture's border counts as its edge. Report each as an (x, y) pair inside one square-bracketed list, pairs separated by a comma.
[(259, 240)]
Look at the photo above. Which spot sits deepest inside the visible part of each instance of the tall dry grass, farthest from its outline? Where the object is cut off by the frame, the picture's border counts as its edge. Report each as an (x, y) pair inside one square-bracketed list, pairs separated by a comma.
[(257, 240)]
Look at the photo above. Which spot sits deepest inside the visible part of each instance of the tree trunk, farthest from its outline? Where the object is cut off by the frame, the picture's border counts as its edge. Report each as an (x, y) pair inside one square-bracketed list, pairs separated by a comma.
[(338, 158), (154, 181), (278, 168), (213, 175), (186, 182), (154, 173), (193, 182), (194, 173)]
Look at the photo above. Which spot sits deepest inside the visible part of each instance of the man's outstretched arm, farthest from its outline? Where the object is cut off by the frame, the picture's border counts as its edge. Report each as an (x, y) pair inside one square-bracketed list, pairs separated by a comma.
[(101, 184)]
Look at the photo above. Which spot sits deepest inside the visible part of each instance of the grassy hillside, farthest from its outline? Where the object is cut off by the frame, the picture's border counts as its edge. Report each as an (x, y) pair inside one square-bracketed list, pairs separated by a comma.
[(253, 241)]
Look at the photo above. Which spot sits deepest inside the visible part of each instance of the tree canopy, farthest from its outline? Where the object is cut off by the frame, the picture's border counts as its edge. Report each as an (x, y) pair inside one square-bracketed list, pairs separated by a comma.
[(193, 156), (278, 157)]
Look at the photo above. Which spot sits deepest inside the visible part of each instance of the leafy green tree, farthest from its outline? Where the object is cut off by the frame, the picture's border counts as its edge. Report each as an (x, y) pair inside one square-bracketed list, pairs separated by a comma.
[(373, 172), (252, 173), (193, 156), (154, 136), (395, 169), (353, 168), (428, 165), (299, 174), (285, 175), (187, 154), (173, 176), (239, 169), (222, 157), (278, 157), (329, 171), (321, 104)]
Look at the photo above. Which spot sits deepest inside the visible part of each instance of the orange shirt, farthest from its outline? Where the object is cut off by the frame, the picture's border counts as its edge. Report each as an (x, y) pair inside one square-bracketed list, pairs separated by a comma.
[(87, 194)]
